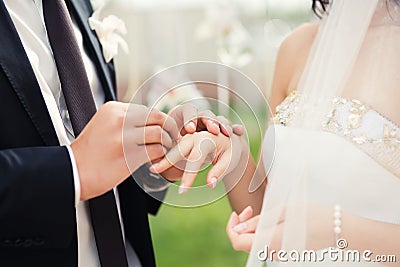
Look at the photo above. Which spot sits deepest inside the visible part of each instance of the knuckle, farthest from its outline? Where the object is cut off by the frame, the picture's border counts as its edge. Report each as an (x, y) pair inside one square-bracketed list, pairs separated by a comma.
[(111, 105), (157, 115), (136, 109), (117, 144), (120, 117), (156, 131), (156, 151)]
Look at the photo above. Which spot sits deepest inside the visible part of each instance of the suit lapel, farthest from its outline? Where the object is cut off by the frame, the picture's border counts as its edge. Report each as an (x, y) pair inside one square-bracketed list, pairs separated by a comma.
[(16, 66), (82, 10)]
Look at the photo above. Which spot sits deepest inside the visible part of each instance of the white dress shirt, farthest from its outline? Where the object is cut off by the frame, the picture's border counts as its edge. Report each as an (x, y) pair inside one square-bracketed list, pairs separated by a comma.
[(28, 19)]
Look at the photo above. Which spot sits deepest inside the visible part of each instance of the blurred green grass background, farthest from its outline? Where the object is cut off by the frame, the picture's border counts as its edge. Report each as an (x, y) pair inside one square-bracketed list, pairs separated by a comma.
[(195, 237)]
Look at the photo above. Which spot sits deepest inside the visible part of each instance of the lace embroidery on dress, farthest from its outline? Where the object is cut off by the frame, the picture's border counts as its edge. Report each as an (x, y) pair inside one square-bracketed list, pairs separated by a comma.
[(286, 109), (357, 122)]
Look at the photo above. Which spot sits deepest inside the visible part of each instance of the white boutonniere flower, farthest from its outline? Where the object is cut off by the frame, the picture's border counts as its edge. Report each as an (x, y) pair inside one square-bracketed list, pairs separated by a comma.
[(109, 30)]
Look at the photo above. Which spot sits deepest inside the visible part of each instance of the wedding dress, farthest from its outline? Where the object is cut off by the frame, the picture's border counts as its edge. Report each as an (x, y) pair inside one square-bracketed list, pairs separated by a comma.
[(357, 144), (331, 150)]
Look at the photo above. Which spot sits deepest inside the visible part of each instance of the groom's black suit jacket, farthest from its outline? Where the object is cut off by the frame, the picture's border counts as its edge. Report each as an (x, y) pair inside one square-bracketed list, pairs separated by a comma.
[(37, 211)]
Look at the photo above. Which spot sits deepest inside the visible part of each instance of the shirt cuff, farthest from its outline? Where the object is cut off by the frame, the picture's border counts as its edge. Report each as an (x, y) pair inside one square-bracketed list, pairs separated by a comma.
[(152, 182), (77, 181)]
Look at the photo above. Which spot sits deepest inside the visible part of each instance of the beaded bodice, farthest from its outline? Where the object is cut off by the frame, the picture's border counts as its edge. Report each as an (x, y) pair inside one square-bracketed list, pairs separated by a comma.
[(358, 123)]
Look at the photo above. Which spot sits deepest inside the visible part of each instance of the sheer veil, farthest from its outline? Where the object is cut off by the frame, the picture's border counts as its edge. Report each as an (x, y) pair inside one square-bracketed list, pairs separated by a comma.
[(355, 56)]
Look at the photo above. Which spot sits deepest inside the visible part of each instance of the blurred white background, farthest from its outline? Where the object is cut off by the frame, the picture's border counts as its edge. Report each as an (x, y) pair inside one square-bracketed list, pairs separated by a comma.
[(244, 34)]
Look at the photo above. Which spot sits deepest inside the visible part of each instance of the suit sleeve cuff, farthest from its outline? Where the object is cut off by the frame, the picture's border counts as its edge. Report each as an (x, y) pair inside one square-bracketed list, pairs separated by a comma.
[(77, 181)]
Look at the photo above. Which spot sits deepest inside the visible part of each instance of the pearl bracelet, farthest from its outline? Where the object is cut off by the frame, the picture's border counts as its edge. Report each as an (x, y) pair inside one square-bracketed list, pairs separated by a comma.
[(337, 223)]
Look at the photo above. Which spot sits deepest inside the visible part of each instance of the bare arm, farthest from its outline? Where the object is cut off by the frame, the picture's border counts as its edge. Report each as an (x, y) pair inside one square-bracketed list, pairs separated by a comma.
[(379, 237), (290, 62), (374, 240), (239, 194)]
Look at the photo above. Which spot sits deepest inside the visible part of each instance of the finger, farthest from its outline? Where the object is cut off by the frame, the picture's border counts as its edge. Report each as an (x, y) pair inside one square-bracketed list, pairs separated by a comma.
[(153, 134), (176, 115), (186, 118), (233, 221), (172, 174), (154, 151), (190, 118), (208, 121), (240, 242), (190, 127), (246, 214), (156, 117), (219, 168), (225, 125), (248, 226), (175, 155), (238, 129), (195, 161)]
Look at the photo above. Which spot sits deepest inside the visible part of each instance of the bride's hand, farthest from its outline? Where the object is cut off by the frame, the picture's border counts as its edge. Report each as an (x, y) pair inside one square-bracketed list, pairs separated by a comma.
[(195, 150), (241, 229), (319, 225)]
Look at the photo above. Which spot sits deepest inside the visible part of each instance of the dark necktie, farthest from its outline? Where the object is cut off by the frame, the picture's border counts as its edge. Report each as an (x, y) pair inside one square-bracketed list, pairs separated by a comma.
[(81, 106)]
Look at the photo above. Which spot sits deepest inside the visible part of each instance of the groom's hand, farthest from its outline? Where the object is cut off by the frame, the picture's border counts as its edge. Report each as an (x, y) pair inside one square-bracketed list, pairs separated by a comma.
[(120, 135)]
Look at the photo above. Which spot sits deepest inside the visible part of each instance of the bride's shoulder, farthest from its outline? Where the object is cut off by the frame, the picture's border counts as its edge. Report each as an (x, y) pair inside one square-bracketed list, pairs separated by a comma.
[(301, 39), (290, 62)]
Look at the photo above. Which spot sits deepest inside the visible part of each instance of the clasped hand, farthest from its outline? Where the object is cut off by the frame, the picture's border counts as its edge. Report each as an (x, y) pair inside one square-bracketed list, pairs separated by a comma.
[(122, 137), (195, 150)]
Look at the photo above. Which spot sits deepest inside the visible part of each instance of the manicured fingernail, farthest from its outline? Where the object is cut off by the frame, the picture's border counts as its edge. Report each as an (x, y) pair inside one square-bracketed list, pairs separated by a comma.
[(240, 227), (239, 129), (182, 189), (153, 168), (216, 127), (214, 182), (192, 126)]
